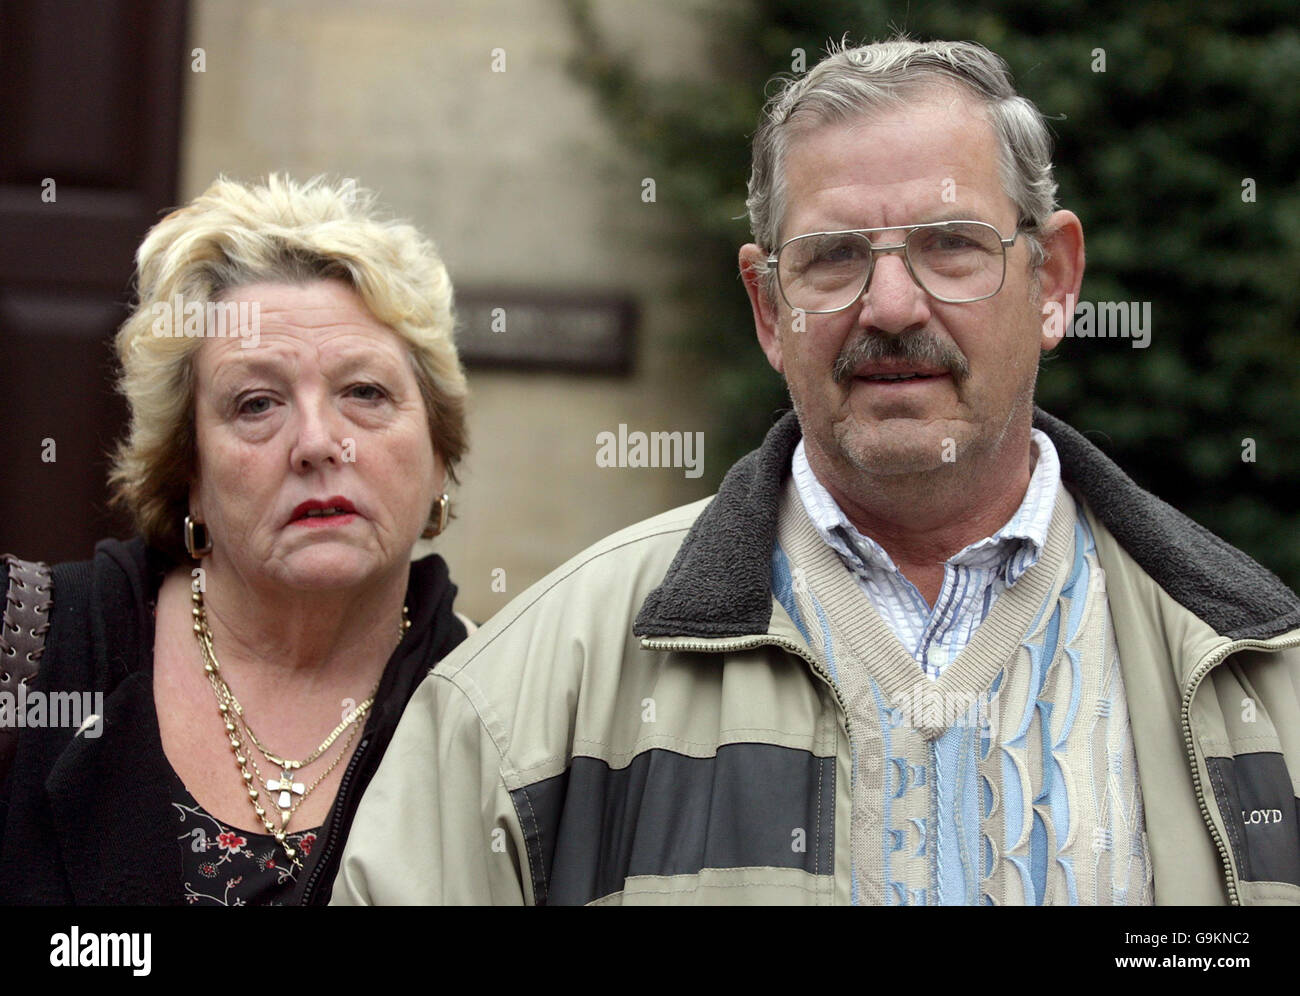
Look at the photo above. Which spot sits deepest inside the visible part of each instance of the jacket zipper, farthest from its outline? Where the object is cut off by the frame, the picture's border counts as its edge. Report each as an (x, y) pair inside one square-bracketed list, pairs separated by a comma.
[(331, 838), (1207, 664), (752, 643)]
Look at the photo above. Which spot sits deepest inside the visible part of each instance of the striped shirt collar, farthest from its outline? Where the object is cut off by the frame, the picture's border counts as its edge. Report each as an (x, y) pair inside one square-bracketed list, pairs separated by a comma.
[(1014, 548)]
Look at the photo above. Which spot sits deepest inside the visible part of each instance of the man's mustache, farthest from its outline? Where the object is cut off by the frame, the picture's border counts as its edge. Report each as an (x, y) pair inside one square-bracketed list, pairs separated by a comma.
[(922, 348)]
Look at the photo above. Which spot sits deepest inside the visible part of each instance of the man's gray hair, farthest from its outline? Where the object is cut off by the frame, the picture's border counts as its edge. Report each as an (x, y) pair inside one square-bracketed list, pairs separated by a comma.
[(851, 82)]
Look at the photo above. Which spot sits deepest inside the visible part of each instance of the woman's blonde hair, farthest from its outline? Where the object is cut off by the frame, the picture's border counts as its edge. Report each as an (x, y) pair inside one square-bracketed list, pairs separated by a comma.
[(236, 234)]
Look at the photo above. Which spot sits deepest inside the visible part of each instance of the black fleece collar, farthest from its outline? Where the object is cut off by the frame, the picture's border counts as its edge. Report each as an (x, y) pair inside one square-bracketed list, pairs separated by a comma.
[(720, 583)]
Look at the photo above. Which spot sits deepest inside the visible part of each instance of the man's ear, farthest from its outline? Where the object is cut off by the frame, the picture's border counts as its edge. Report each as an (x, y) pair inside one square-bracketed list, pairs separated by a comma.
[(1061, 276), (766, 315)]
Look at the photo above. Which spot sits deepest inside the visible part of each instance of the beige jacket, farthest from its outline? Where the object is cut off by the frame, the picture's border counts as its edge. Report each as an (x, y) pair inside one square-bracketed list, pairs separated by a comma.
[(701, 754)]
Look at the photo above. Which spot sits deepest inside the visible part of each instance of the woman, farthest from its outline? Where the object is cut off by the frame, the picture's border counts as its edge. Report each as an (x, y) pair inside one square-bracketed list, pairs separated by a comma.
[(296, 408)]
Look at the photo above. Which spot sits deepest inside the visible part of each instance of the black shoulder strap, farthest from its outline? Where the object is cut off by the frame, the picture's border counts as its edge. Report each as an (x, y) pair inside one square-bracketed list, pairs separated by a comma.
[(22, 641)]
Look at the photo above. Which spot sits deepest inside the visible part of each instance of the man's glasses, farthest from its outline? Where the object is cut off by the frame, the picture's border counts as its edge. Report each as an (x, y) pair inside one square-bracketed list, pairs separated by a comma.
[(953, 261)]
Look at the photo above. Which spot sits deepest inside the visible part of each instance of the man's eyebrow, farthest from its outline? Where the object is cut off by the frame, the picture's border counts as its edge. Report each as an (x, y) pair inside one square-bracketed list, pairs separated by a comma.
[(953, 215), (940, 218), (936, 219)]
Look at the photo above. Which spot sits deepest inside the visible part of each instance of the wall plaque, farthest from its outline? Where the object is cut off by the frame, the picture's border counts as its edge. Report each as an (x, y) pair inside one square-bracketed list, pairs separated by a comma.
[(593, 333)]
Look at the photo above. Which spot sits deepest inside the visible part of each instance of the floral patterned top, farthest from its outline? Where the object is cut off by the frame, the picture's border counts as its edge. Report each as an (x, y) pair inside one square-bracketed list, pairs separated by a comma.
[(222, 866)]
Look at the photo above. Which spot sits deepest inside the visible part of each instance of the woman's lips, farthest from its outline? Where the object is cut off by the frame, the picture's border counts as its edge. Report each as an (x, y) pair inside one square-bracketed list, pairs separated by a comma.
[(316, 509), (325, 521)]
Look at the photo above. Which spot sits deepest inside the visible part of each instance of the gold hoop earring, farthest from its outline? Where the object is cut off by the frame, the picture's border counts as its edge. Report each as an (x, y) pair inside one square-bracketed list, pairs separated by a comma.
[(438, 519), (198, 542)]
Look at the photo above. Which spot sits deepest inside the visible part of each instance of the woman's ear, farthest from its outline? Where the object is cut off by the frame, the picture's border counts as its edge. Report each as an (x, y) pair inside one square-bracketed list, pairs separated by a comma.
[(195, 502)]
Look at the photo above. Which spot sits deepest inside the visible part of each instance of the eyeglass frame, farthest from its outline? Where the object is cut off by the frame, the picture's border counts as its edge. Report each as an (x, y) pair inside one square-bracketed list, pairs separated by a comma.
[(773, 260)]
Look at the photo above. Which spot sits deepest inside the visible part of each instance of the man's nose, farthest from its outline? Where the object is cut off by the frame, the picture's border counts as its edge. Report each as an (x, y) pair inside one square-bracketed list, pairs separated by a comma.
[(893, 302)]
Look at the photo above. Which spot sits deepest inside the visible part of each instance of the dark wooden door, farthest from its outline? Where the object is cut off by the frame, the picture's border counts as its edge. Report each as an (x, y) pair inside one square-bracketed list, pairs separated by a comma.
[(90, 100)]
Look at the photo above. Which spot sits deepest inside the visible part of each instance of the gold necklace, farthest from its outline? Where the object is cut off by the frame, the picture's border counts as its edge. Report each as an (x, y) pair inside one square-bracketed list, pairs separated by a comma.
[(292, 794), (285, 785), (227, 695)]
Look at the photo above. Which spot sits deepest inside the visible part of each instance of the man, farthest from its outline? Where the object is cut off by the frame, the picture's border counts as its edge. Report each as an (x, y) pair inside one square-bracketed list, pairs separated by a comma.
[(925, 645)]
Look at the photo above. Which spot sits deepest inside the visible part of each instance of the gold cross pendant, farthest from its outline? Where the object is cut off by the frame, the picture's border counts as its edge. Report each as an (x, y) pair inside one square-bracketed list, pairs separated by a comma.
[(287, 789)]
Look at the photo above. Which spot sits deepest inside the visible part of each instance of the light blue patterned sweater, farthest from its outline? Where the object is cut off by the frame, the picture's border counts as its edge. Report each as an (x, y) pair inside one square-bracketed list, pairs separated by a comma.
[(1011, 779)]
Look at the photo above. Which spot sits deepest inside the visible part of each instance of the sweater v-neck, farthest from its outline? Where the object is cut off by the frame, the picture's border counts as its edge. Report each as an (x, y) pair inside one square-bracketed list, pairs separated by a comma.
[(866, 648)]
